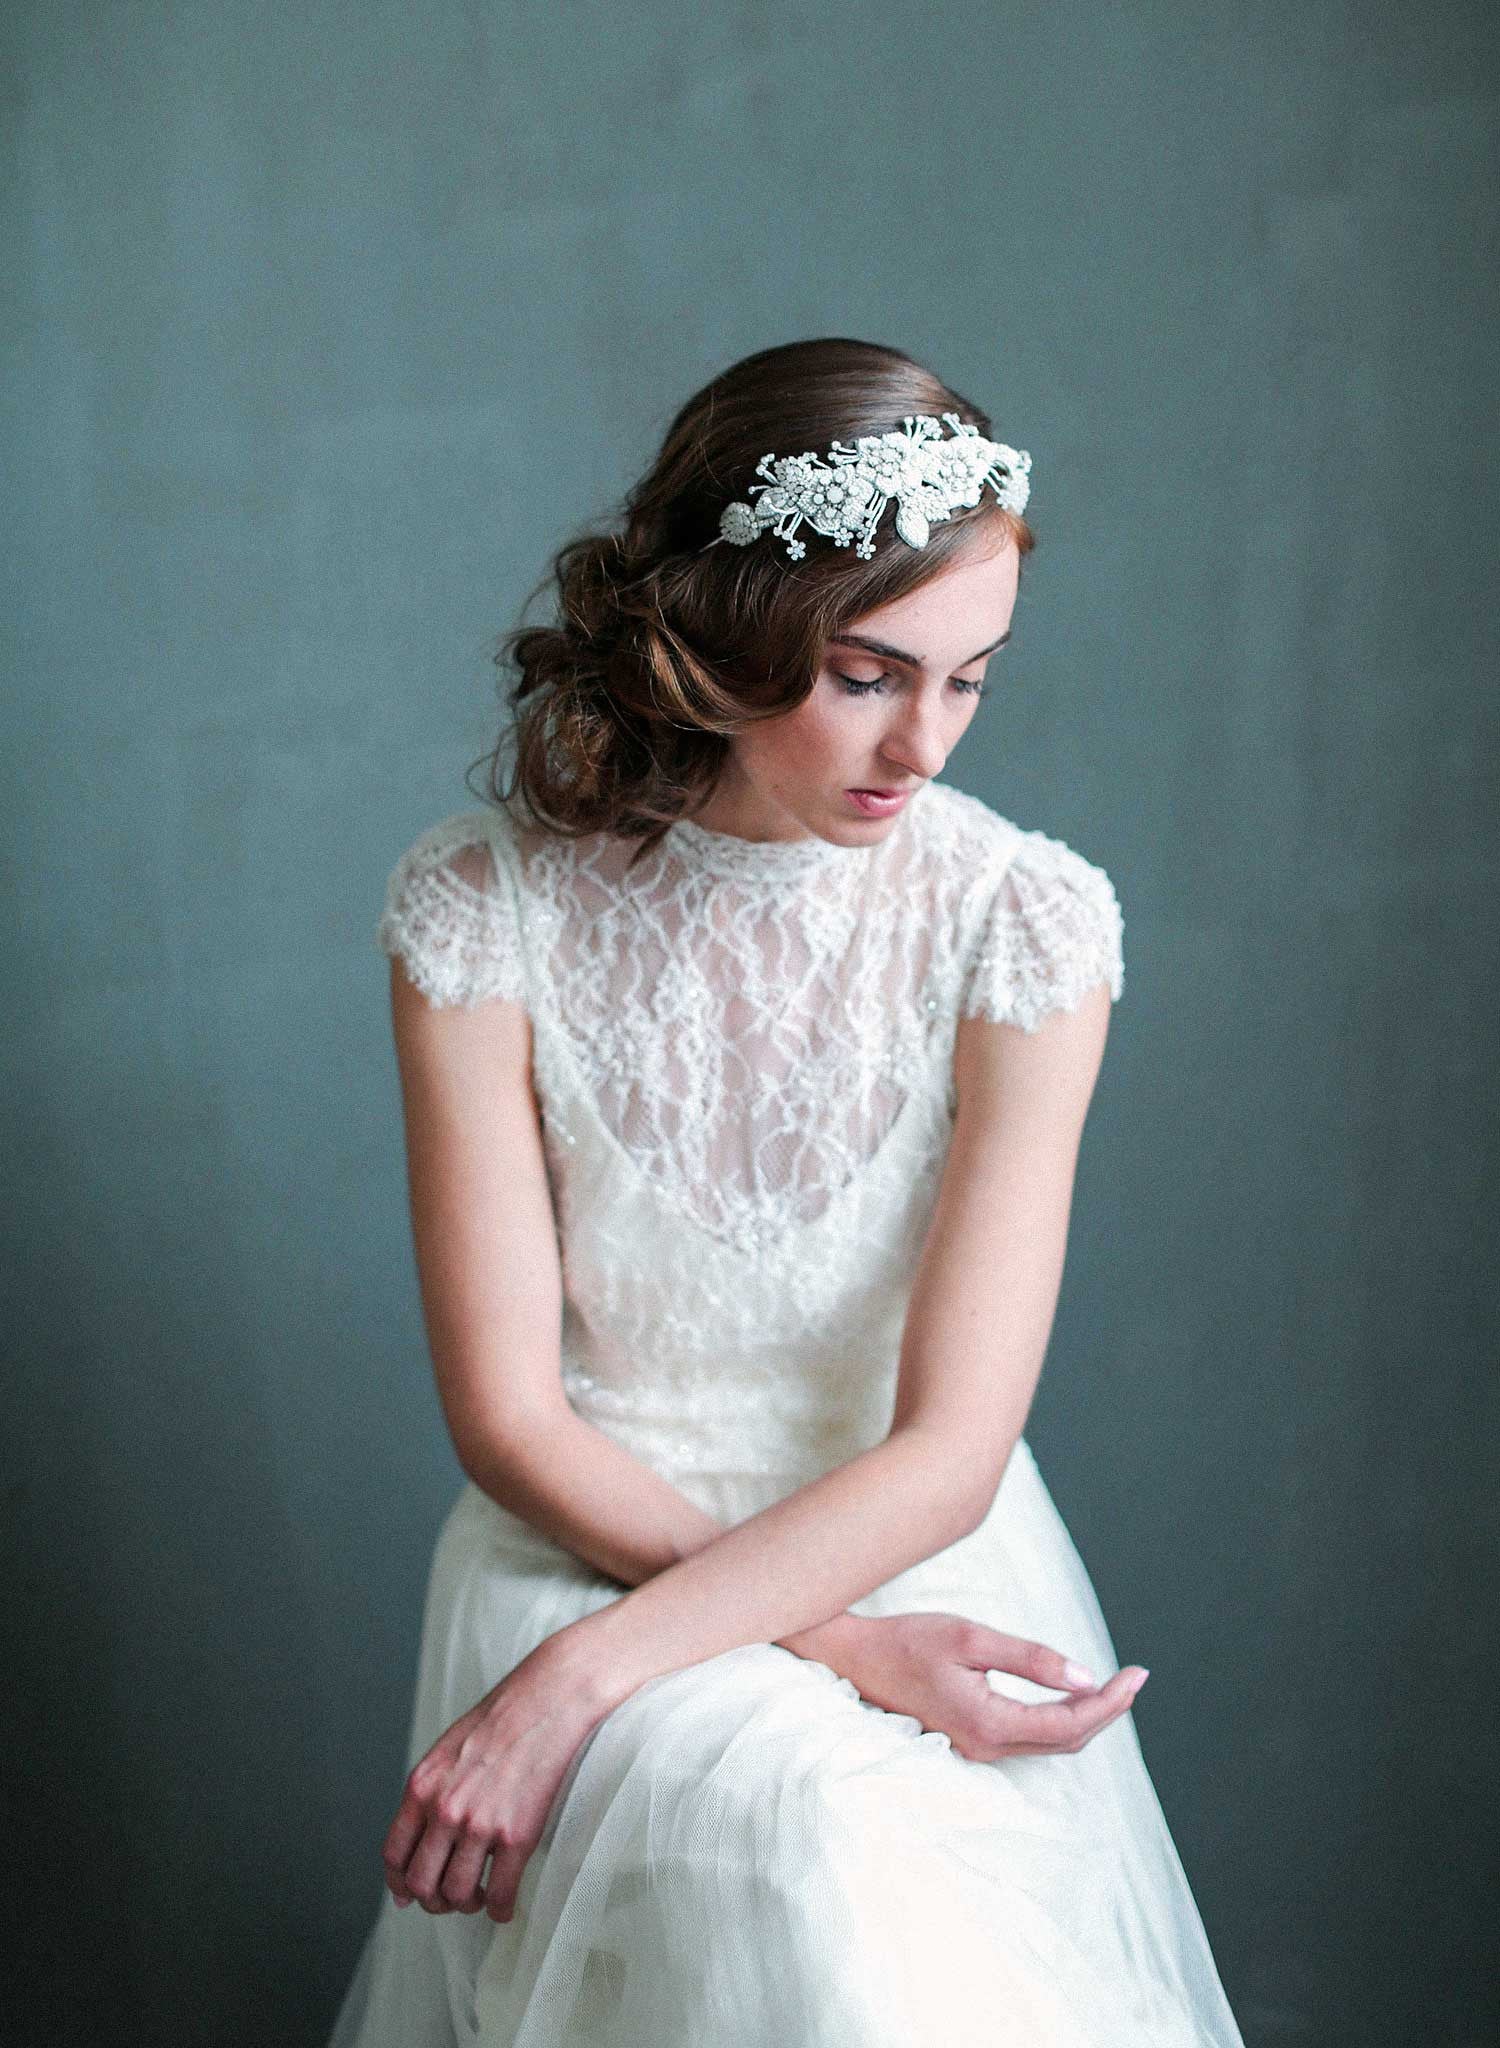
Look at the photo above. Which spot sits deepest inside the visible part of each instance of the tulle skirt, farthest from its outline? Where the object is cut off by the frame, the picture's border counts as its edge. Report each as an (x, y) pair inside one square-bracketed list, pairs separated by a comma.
[(746, 1854)]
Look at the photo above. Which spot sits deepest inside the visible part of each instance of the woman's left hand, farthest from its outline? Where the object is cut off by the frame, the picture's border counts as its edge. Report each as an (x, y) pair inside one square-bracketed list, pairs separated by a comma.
[(485, 1788)]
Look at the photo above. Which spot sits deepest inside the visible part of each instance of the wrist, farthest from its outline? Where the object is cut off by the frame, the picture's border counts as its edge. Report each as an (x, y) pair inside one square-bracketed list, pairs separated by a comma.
[(835, 1642), (580, 1662)]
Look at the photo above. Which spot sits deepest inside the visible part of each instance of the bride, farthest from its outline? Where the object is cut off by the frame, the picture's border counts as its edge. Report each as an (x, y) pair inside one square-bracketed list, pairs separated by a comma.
[(763, 1697)]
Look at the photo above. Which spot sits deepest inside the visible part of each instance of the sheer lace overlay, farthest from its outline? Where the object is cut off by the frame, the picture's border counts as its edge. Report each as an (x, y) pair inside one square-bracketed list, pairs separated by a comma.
[(743, 1054), (1053, 932), (447, 920), (794, 987)]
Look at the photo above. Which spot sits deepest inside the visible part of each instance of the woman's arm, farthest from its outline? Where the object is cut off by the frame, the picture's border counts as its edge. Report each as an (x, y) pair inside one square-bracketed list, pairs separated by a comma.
[(595, 1498), (490, 1276), (977, 1329)]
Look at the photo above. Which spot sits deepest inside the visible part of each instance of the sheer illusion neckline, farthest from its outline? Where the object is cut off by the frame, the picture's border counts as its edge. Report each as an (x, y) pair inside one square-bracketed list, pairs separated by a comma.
[(770, 860)]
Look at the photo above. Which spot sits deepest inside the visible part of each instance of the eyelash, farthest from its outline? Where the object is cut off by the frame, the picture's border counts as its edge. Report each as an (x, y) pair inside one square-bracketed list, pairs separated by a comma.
[(855, 688)]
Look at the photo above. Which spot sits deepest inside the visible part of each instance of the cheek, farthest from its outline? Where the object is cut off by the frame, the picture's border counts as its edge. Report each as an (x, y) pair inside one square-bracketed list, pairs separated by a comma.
[(827, 742), (805, 745)]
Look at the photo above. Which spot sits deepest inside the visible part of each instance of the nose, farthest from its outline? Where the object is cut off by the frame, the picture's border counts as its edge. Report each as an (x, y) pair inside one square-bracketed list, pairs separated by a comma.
[(915, 739)]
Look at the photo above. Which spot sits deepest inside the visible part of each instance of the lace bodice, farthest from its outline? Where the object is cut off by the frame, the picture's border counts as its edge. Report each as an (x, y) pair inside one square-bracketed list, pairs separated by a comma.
[(743, 1056)]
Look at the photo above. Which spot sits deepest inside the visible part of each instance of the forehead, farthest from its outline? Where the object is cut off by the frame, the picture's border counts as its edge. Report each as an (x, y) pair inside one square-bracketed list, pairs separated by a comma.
[(963, 608)]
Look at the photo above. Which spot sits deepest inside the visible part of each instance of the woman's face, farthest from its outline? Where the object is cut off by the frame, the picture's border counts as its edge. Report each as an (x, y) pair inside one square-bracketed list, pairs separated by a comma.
[(895, 693)]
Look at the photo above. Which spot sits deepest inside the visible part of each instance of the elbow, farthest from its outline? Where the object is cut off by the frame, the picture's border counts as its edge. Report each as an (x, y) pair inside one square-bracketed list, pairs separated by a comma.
[(973, 1479), (478, 1462), (500, 1462), (473, 1462), (974, 1504)]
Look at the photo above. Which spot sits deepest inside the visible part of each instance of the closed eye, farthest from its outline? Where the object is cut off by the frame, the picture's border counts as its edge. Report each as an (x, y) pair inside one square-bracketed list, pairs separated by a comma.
[(977, 687)]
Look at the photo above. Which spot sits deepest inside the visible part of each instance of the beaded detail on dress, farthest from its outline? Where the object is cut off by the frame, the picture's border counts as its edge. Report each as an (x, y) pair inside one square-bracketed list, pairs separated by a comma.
[(766, 861), (743, 1054)]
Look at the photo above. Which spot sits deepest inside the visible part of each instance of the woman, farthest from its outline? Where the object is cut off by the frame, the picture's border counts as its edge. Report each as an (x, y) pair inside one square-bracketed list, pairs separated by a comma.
[(744, 1075)]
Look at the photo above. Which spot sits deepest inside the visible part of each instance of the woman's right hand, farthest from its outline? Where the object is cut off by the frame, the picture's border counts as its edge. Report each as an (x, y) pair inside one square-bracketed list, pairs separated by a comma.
[(933, 1667)]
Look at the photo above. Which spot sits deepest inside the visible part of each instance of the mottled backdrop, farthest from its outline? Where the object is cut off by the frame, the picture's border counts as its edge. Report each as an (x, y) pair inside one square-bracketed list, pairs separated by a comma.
[(324, 326)]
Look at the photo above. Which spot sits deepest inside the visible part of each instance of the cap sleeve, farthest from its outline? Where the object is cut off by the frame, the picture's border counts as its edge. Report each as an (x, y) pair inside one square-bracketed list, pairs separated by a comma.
[(1051, 932), (450, 913)]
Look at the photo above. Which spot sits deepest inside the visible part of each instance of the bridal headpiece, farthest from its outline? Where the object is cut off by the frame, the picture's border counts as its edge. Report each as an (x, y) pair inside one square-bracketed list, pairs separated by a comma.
[(844, 496)]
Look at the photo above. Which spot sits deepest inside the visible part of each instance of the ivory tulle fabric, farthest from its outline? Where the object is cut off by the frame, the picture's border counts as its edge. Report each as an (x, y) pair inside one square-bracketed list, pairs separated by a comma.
[(743, 1057)]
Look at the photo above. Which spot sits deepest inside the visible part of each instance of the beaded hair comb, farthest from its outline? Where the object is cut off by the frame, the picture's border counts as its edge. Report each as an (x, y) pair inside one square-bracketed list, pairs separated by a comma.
[(845, 496)]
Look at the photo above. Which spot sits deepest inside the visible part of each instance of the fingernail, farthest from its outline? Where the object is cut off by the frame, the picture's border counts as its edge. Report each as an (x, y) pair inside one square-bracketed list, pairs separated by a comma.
[(1137, 1683), (1078, 1674)]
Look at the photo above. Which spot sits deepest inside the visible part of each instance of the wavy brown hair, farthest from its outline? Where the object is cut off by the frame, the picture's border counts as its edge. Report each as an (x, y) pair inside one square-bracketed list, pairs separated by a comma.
[(664, 647)]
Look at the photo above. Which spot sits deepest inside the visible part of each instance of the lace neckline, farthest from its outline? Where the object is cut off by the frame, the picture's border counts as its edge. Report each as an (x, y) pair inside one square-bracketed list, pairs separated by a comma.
[(766, 860)]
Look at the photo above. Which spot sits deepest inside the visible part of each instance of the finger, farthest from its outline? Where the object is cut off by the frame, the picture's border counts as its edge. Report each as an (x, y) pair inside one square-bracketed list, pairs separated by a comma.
[(405, 1832), (1084, 1715), (1037, 1661), (462, 1886), (505, 1880), (1066, 1724), (424, 1873)]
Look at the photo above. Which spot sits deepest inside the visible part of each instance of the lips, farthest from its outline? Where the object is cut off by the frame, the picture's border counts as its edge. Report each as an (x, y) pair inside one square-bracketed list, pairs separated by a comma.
[(872, 803)]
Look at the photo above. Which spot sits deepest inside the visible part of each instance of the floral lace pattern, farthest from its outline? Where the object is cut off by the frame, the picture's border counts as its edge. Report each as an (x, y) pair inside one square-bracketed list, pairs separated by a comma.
[(743, 1056), (1054, 930), (752, 1014), (446, 917), (447, 922)]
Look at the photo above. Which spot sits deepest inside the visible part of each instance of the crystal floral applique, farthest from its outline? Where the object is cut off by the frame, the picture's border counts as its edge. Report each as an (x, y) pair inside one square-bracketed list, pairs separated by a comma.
[(844, 497)]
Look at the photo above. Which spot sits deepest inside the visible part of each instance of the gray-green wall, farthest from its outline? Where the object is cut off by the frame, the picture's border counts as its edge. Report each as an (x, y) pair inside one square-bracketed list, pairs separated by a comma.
[(324, 325)]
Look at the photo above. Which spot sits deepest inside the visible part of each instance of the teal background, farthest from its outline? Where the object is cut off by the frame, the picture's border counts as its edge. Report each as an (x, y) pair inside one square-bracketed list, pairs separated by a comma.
[(324, 325)]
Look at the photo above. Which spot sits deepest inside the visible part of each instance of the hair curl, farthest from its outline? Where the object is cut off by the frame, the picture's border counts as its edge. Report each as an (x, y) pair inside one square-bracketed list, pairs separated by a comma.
[(662, 647)]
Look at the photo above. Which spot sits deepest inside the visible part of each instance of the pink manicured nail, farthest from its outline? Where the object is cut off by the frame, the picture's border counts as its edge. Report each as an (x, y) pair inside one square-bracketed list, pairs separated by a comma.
[(1137, 1683), (1077, 1674)]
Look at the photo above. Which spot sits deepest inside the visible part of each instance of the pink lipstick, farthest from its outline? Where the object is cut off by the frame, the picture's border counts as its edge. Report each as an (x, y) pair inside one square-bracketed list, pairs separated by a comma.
[(878, 803)]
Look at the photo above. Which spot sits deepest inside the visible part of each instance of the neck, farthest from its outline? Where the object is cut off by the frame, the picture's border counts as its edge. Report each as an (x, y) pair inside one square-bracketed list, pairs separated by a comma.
[(737, 807)]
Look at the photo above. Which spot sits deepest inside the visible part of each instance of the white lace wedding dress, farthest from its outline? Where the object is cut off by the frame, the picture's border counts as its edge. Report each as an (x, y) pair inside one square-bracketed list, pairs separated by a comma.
[(743, 1056)]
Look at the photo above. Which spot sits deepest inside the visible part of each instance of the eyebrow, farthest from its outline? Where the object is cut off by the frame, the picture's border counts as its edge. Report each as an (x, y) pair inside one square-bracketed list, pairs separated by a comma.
[(899, 654)]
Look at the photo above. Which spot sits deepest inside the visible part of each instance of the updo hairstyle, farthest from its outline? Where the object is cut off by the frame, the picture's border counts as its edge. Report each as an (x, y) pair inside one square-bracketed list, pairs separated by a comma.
[(662, 647)]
